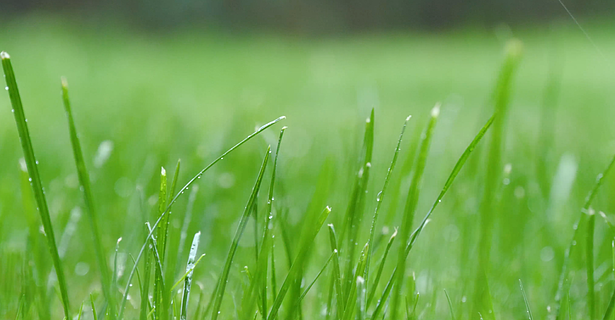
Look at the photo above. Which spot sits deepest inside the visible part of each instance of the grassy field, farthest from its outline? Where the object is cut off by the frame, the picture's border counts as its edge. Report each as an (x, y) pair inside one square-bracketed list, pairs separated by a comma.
[(141, 101)]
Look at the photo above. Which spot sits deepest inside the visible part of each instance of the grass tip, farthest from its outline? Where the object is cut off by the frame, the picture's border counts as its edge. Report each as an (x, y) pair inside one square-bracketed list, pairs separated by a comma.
[(329, 210), (163, 171), (284, 128), (394, 233), (408, 118), (4, 55), (514, 48), (64, 82), (435, 112), (119, 240)]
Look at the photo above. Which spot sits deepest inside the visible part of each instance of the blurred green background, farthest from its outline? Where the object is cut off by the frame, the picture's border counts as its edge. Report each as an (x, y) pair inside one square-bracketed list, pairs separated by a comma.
[(152, 83)]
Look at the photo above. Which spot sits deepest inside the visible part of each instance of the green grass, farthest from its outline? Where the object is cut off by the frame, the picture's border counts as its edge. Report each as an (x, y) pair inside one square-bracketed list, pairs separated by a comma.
[(333, 211), (35, 177)]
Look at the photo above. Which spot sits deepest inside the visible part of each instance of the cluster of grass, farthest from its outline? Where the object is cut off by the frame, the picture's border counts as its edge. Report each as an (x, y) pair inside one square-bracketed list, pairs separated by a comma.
[(362, 235)]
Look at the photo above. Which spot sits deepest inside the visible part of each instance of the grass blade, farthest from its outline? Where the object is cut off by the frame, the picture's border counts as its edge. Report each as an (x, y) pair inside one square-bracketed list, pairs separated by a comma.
[(146, 280), (179, 193), (84, 181), (324, 267), (589, 263), (188, 281), (380, 198), (492, 177), (257, 290), (450, 305), (188, 272), (374, 286), (115, 270), (449, 181), (563, 283), (354, 213), (451, 178), (240, 229), (298, 263), (608, 314), (169, 255), (37, 185), (527, 302), (351, 302), (93, 307), (385, 296), (267, 241), (411, 202), (186, 223), (337, 274), (159, 248)]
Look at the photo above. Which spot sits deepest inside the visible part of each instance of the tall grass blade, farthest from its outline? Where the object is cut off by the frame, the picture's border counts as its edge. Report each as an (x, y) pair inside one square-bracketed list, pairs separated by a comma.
[(188, 281), (548, 124), (169, 245), (37, 185), (487, 209), (409, 210), (179, 193), (84, 181), (159, 248), (380, 199), (267, 241), (240, 229), (258, 286), (354, 213)]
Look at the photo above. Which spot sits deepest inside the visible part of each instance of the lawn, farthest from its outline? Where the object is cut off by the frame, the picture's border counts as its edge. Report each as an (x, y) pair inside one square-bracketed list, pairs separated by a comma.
[(142, 100)]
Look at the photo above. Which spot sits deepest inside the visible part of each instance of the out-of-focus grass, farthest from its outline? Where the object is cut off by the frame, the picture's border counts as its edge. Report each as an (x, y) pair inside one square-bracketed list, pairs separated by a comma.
[(142, 100)]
